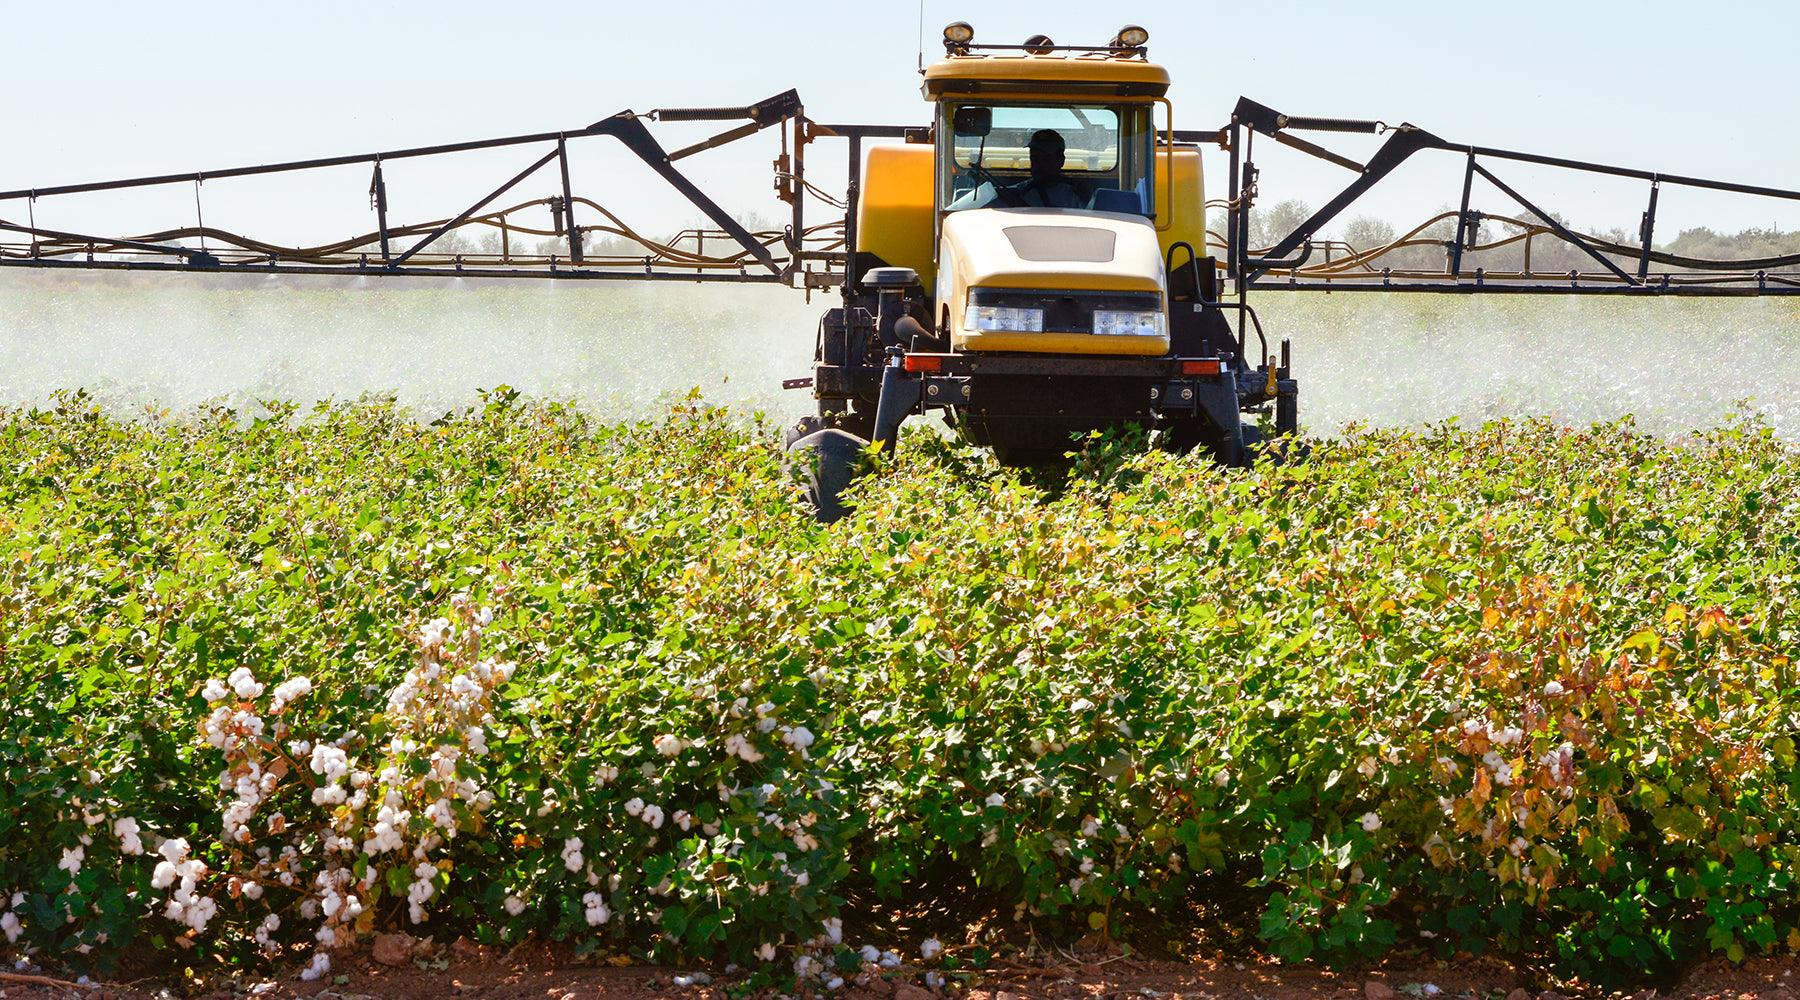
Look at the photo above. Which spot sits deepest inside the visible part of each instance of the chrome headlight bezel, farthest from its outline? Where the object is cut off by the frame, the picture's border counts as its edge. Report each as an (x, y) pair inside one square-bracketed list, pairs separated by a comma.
[(1129, 323), (1003, 319)]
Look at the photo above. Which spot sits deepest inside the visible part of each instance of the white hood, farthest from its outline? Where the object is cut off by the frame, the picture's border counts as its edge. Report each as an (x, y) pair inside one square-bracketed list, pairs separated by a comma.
[(1053, 248)]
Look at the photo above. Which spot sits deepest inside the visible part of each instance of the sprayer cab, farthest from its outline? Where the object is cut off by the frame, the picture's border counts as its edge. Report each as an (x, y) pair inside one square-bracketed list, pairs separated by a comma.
[(1033, 271), (1045, 180)]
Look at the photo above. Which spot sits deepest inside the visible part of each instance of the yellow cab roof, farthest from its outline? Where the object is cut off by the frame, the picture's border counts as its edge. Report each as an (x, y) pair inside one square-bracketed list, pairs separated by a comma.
[(1073, 74)]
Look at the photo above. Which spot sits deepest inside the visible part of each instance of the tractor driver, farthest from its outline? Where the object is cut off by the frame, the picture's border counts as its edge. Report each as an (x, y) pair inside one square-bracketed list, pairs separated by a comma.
[(1047, 187)]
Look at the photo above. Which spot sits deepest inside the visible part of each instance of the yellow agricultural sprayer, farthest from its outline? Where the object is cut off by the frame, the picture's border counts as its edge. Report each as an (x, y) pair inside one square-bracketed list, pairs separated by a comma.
[(1033, 262)]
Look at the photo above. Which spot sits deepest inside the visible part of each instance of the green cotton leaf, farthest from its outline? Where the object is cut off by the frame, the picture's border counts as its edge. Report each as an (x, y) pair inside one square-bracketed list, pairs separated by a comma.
[(675, 920)]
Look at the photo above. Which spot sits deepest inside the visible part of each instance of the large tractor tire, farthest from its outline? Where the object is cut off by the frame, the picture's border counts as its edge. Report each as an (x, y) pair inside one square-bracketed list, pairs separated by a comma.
[(1233, 447), (824, 460)]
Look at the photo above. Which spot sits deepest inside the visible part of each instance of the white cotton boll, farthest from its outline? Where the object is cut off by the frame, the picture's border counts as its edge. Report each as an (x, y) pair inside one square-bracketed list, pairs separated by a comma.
[(571, 854), (475, 738), (635, 807), (288, 690), (174, 850), (317, 968), (245, 684), (834, 930), (71, 859), (1508, 736), (803, 879), (798, 737), (253, 891), (328, 795), (596, 910), (1553, 689), (484, 617), (126, 829), (766, 724), (930, 948), (996, 801), (9, 924), (201, 911), (766, 952), (215, 691), (737, 745), (164, 876), (669, 745), (1081, 705), (683, 819), (870, 953), (889, 960), (934, 980), (330, 761), (1090, 826), (514, 906), (653, 815), (440, 814), (805, 842), (1371, 821)]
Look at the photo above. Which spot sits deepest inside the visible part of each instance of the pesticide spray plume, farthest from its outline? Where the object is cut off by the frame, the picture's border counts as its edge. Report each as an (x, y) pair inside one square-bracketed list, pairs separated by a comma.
[(624, 351)]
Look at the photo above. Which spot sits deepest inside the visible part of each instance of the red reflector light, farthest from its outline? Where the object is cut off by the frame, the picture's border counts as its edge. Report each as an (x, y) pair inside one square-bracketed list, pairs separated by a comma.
[(924, 363), (1200, 367)]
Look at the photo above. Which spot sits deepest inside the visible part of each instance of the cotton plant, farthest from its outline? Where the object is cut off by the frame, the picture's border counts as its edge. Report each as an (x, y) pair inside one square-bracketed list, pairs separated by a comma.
[(84, 896), (321, 830)]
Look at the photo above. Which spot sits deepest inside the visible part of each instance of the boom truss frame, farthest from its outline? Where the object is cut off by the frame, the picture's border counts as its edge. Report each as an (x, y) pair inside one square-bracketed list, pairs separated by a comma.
[(1278, 267), (795, 255), (824, 256)]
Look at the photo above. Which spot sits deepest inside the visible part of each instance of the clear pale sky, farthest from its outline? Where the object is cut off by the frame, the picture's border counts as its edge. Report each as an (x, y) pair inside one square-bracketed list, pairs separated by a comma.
[(111, 88)]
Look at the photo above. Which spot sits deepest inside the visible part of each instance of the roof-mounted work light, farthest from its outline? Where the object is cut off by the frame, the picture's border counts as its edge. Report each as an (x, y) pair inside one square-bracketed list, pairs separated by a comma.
[(1130, 37), (957, 36)]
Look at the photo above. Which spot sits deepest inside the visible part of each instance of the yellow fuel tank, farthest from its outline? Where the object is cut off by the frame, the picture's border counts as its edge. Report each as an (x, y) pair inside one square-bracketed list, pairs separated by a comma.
[(894, 215)]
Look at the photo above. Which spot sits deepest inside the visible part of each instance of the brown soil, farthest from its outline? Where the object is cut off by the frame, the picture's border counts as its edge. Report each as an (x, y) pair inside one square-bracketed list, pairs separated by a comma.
[(531, 974)]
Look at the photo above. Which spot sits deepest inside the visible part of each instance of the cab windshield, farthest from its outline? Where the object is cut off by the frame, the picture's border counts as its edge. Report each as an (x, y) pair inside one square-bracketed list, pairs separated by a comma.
[(1073, 156)]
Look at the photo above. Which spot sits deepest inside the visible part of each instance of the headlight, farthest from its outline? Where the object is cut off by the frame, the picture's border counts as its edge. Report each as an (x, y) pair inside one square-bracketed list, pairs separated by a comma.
[(1014, 319), (1128, 322)]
